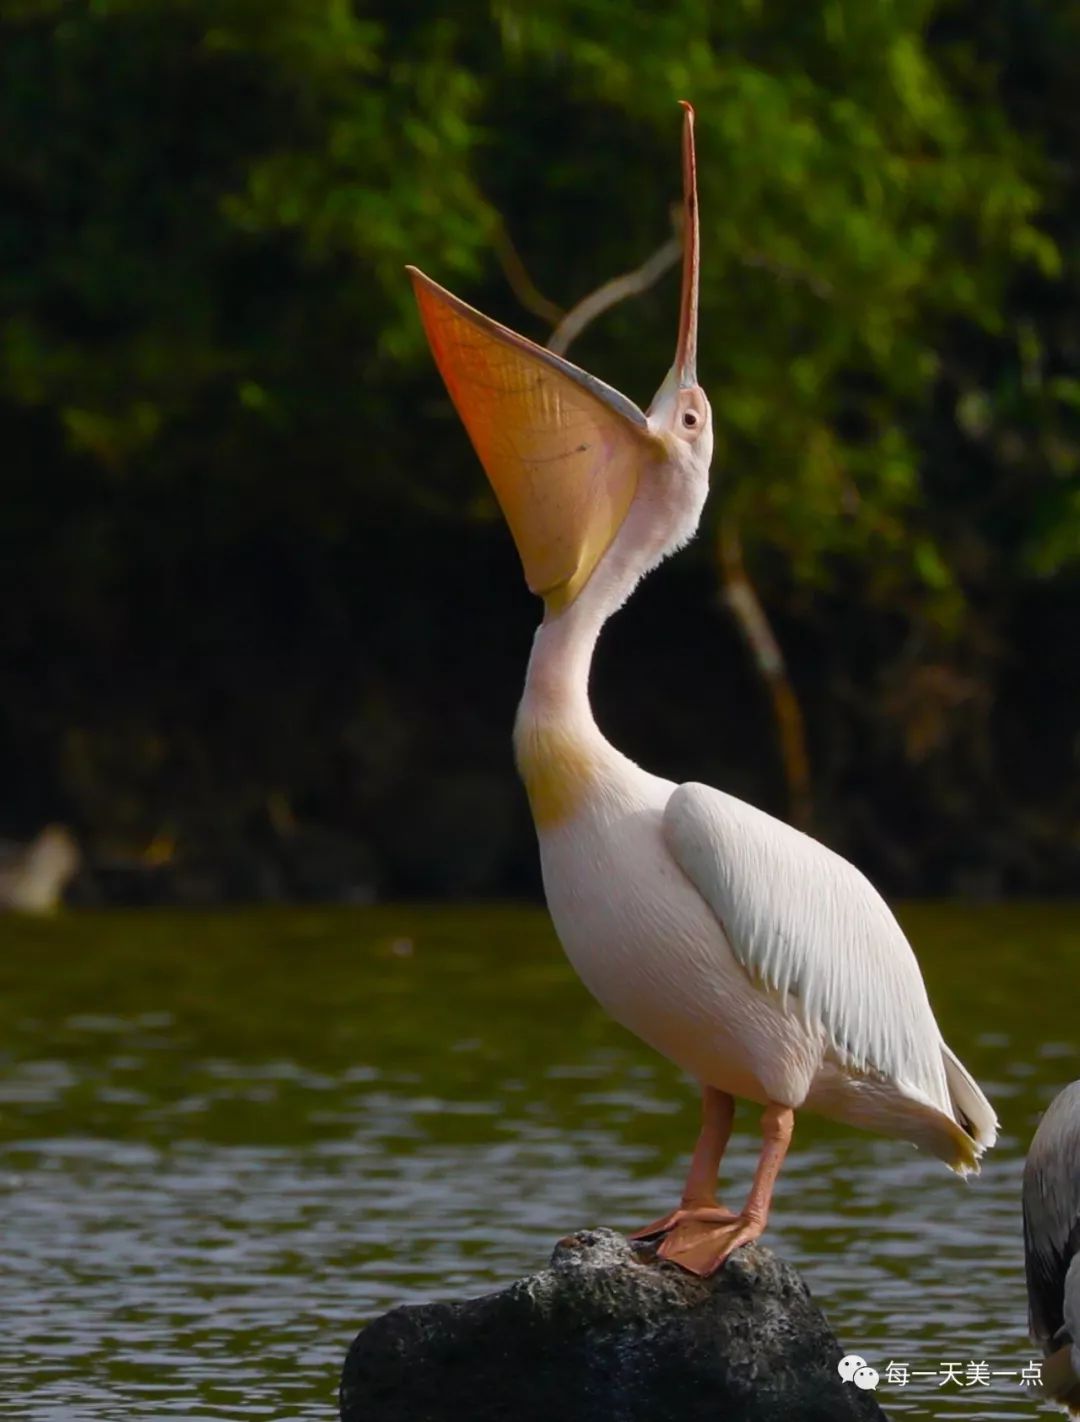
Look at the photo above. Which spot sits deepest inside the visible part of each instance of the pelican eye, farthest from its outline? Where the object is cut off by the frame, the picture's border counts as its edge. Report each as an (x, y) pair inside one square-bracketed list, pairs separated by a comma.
[(689, 419)]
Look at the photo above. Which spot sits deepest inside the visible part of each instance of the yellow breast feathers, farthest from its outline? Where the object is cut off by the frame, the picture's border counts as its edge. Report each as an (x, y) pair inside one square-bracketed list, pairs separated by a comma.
[(558, 768)]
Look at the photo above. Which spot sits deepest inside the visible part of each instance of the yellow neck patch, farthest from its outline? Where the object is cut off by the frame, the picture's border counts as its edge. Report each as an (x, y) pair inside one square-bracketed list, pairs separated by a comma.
[(558, 767)]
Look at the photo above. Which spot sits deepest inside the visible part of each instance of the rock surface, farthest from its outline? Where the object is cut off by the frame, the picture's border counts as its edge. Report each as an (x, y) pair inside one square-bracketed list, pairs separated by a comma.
[(608, 1335)]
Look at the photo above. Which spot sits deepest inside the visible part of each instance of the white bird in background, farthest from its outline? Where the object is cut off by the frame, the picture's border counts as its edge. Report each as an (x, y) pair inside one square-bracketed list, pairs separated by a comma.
[(33, 876), (749, 954), (1052, 1245)]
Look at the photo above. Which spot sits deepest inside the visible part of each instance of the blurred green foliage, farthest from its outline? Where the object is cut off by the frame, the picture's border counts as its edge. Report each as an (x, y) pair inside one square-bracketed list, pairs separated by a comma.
[(243, 539)]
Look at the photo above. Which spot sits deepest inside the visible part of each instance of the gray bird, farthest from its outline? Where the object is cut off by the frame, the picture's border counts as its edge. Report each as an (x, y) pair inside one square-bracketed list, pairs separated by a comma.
[(1052, 1245)]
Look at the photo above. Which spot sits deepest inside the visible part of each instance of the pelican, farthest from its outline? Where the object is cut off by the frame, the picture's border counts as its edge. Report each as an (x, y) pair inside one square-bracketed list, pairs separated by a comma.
[(1052, 1245), (761, 963)]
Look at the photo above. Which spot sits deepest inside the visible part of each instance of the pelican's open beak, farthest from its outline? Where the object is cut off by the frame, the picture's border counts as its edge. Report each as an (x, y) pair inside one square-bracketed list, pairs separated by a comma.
[(562, 449), (686, 349), (683, 374)]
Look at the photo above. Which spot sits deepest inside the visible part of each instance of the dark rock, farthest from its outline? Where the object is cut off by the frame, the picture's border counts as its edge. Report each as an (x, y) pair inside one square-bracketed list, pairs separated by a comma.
[(608, 1335)]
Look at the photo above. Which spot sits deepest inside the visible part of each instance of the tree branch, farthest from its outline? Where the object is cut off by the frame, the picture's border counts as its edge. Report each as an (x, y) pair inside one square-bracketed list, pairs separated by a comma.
[(611, 293), (745, 605), (519, 280)]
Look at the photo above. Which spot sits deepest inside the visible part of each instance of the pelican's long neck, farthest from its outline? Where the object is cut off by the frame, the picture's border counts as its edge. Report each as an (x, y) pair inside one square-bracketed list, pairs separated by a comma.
[(561, 752), (557, 681)]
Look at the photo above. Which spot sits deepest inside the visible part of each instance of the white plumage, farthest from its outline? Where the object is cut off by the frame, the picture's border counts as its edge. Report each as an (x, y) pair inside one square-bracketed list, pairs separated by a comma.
[(757, 959), (809, 926)]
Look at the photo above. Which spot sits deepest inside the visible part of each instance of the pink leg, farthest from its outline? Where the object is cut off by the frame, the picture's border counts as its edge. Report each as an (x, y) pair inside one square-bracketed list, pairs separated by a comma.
[(700, 1245), (699, 1194)]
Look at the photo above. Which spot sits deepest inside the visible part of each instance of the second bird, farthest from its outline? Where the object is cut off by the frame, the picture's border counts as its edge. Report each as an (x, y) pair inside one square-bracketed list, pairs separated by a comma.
[(756, 959)]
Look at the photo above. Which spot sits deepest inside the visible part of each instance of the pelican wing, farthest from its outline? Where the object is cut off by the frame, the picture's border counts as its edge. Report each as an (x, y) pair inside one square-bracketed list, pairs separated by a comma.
[(809, 928), (562, 449)]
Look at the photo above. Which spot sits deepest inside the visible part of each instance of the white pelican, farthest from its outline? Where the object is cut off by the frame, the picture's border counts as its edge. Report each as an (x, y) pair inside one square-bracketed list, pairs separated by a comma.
[(756, 959), (1052, 1245)]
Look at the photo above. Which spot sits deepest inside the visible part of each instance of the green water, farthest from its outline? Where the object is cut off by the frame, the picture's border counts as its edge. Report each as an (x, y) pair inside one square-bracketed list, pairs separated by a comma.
[(227, 1140)]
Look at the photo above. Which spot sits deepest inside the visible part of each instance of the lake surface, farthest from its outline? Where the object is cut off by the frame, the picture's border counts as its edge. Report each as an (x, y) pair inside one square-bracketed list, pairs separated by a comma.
[(227, 1140)]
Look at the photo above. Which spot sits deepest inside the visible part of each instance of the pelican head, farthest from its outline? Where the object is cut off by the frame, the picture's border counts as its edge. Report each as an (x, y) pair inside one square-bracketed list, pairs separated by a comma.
[(567, 456)]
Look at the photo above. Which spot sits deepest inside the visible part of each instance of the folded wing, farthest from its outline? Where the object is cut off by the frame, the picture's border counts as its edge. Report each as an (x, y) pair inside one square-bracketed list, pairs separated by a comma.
[(809, 928)]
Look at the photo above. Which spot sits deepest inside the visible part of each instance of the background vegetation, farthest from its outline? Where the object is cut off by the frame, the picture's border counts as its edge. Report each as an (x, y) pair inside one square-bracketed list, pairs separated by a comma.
[(260, 621)]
